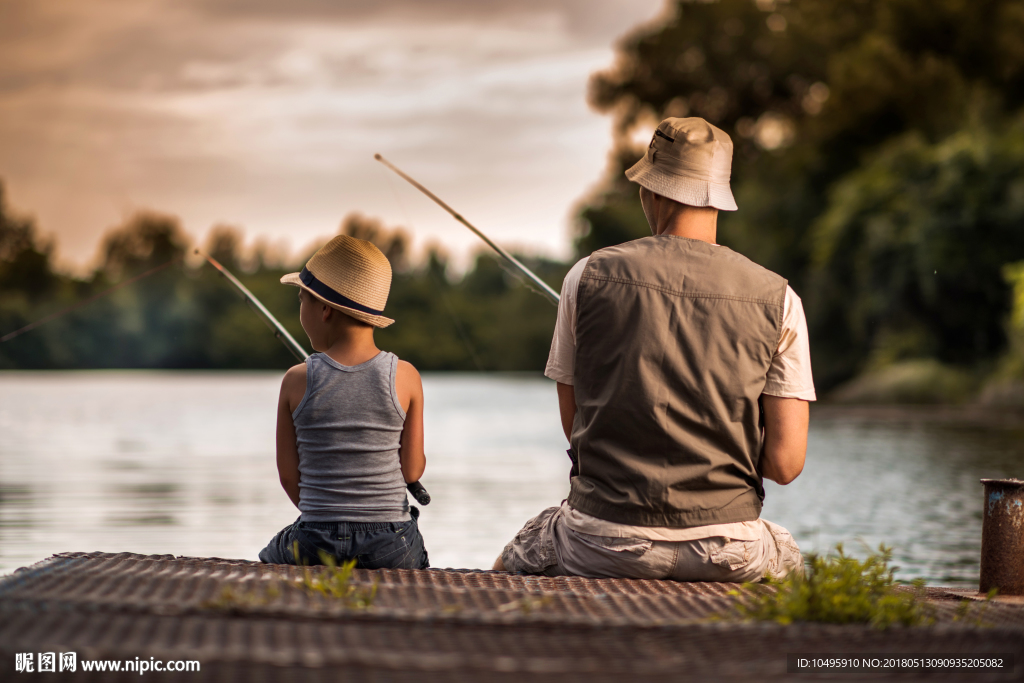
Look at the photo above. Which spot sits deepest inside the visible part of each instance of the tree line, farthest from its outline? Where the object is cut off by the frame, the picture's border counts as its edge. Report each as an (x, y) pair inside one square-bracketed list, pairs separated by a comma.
[(187, 317), (879, 167)]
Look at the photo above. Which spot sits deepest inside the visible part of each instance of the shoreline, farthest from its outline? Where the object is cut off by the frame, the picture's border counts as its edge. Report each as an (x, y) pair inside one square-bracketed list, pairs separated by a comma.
[(968, 415)]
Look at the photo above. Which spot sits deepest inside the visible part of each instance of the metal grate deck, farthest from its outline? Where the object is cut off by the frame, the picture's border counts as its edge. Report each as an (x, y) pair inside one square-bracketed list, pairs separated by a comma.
[(451, 625)]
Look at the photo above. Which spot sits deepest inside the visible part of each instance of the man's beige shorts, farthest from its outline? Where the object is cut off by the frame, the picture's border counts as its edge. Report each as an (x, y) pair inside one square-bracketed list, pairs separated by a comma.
[(547, 546)]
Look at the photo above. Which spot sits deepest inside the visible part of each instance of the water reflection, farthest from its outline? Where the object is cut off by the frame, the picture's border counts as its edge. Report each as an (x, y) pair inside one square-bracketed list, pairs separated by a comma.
[(183, 463), (911, 485)]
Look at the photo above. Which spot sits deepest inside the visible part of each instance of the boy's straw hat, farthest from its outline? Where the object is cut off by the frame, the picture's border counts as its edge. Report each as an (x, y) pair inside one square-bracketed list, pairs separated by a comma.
[(690, 161), (350, 275)]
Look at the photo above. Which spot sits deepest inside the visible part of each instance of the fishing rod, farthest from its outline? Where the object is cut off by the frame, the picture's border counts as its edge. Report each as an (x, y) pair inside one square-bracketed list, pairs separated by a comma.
[(417, 489), (254, 303), (545, 290)]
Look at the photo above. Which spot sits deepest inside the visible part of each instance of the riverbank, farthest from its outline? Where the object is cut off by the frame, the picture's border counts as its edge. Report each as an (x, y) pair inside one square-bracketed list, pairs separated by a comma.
[(929, 382), (964, 415)]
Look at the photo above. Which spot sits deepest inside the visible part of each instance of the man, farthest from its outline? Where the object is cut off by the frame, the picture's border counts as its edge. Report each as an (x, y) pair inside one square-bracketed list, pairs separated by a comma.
[(684, 377)]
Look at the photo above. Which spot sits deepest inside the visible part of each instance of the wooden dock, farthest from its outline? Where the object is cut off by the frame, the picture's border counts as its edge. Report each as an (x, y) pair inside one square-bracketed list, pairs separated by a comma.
[(437, 625)]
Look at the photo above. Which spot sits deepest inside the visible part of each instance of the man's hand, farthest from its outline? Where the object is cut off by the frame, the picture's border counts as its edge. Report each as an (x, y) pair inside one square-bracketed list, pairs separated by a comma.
[(785, 438)]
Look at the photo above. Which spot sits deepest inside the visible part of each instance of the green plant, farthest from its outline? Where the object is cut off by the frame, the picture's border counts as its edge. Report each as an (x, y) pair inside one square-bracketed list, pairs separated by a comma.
[(526, 604), (973, 614), (336, 583), (233, 597), (839, 589)]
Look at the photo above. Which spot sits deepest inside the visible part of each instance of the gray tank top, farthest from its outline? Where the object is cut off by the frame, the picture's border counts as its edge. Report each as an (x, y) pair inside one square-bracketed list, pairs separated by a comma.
[(348, 427)]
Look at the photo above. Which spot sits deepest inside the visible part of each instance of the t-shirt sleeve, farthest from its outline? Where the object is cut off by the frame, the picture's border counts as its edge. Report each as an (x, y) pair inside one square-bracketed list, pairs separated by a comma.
[(562, 357), (789, 375)]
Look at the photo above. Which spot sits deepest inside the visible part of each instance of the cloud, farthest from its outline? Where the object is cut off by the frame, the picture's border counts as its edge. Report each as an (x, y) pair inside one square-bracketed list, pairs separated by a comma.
[(266, 114), (589, 19)]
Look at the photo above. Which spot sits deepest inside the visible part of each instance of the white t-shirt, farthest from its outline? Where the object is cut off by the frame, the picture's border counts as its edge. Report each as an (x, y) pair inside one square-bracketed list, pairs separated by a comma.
[(789, 376)]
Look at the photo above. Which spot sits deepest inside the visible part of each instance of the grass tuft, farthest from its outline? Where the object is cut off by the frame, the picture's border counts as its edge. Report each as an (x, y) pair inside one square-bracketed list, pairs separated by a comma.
[(839, 589), (233, 597), (336, 583)]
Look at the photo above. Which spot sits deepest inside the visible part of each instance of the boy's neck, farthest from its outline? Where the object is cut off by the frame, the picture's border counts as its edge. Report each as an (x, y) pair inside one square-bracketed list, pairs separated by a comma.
[(350, 345)]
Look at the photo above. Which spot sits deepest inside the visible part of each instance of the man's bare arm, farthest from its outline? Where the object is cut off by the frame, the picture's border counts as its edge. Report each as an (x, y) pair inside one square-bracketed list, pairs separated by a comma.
[(567, 407), (785, 438)]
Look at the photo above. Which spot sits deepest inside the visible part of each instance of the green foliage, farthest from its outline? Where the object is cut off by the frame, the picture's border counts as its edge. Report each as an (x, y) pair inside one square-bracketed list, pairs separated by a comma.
[(188, 317), (336, 583), (972, 613), (839, 589), (913, 244), (526, 605), (1014, 275), (233, 597), (1013, 364)]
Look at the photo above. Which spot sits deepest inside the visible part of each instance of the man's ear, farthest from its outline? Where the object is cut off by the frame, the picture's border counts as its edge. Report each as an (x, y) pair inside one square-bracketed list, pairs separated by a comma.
[(327, 313)]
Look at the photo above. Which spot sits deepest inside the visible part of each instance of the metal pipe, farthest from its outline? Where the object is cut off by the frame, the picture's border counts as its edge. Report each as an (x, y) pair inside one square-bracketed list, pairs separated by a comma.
[(545, 289), (1002, 537)]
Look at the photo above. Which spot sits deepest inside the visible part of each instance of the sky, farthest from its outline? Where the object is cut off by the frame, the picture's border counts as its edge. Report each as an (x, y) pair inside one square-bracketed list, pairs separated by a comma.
[(266, 115)]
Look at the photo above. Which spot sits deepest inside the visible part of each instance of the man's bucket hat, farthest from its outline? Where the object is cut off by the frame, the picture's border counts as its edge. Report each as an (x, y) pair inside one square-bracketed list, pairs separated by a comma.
[(690, 161), (351, 275)]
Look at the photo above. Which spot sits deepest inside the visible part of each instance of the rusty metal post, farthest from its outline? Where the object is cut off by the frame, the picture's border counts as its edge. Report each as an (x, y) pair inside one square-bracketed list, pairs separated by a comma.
[(1002, 537)]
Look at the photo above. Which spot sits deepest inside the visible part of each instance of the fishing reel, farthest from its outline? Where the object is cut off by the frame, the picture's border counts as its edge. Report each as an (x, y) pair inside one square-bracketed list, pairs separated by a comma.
[(419, 492)]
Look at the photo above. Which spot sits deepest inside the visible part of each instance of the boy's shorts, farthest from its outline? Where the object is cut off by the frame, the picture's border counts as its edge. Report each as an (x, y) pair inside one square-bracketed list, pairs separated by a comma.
[(546, 545), (373, 545)]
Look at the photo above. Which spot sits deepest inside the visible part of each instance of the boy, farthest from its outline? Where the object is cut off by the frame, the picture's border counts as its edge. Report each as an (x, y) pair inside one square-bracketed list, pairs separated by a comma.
[(349, 422)]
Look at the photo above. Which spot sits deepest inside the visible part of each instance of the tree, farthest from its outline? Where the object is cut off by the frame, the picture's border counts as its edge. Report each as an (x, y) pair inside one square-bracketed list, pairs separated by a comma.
[(814, 92), (25, 259)]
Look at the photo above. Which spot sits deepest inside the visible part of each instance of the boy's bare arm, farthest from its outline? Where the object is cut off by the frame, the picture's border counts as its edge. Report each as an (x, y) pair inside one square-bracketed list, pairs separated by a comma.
[(293, 388), (410, 395)]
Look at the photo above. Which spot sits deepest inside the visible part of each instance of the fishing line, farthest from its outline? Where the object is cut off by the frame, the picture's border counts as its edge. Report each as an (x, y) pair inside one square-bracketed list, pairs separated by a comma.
[(440, 286), (53, 316), (520, 278)]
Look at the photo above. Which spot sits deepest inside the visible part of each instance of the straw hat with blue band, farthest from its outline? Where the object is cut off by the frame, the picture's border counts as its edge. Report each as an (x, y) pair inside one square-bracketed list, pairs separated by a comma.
[(351, 275)]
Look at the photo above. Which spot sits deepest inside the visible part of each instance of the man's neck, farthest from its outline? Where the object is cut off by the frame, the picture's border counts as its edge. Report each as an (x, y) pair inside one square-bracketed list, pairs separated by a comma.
[(691, 222), (669, 217)]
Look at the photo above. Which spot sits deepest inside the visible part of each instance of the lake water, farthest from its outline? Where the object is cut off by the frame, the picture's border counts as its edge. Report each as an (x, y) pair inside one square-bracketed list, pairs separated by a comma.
[(183, 463)]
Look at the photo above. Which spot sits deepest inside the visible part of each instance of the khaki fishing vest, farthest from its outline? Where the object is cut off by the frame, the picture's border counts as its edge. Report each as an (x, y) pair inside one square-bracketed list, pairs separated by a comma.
[(674, 338)]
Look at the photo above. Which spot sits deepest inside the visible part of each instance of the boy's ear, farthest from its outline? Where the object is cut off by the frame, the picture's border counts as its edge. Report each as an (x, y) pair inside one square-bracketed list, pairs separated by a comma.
[(327, 313)]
